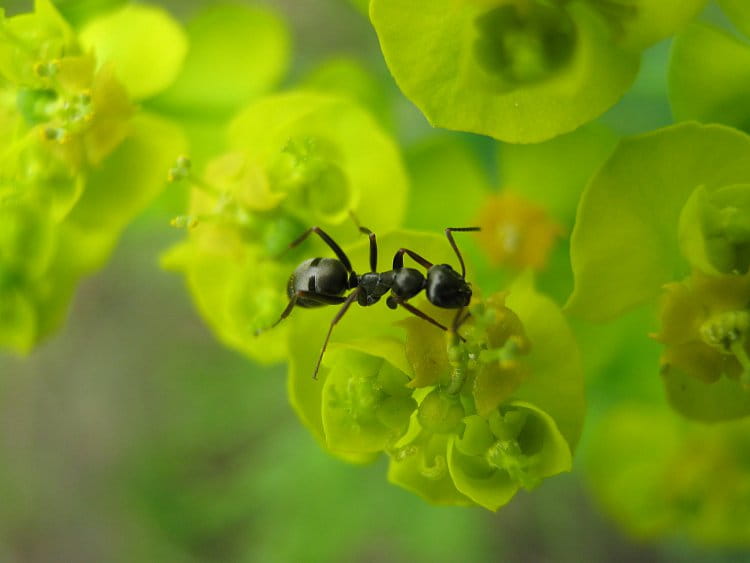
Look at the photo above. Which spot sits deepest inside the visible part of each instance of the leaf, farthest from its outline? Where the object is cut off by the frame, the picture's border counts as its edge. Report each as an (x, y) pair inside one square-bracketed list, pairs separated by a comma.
[(625, 246)]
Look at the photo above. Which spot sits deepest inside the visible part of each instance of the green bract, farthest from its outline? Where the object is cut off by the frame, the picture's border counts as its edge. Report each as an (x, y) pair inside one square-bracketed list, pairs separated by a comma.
[(678, 198), (518, 70), (77, 164), (709, 74), (145, 45), (642, 190), (236, 54), (295, 160)]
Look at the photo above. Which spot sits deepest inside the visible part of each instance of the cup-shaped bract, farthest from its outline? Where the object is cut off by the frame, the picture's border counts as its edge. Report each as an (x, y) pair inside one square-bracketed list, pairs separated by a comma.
[(497, 412)]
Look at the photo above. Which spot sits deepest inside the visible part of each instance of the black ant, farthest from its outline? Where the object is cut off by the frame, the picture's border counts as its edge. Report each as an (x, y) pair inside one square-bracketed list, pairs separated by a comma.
[(323, 281)]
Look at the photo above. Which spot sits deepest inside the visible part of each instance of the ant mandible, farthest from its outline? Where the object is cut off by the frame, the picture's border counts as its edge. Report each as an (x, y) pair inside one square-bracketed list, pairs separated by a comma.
[(323, 281)]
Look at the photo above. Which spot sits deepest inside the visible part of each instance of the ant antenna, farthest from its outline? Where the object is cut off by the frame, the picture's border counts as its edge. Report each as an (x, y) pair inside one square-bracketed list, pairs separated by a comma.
[(449, 233)]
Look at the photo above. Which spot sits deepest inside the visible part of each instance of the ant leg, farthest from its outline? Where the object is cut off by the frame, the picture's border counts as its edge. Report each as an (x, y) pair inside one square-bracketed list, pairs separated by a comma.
[(347, 303), (393, 302), (398, 259), (373, 242), (340, 254), (460, 319), (449, 233), (373, 248), (322, 299)]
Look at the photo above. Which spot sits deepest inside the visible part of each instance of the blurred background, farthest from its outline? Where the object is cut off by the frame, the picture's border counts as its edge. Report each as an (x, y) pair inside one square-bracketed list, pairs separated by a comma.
[(133, 435)]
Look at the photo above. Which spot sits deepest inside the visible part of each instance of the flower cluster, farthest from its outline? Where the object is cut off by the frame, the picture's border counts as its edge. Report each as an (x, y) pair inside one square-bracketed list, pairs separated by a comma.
[(69, 133), (294, 160), (682, 211), (466, 417)]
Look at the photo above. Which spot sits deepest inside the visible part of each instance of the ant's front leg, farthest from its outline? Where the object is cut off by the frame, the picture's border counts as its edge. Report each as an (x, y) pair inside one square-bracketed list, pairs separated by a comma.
[(321, 299)]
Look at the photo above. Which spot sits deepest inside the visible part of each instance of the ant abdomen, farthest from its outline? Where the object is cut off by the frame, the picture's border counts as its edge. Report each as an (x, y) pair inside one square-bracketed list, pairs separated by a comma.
[(319, 276)]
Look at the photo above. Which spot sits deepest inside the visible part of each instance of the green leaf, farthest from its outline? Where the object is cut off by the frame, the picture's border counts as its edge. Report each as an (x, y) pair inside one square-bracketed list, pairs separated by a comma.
[(709, 76), (430, 49), (625, 243), (236, 53), (144, 43)]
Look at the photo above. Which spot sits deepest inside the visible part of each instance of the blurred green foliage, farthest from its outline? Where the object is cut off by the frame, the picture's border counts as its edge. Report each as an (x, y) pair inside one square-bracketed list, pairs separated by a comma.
[(132, 435)]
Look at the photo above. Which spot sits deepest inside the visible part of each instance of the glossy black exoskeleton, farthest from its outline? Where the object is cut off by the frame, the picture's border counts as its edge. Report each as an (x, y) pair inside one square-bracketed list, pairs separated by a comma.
[(325, 281)]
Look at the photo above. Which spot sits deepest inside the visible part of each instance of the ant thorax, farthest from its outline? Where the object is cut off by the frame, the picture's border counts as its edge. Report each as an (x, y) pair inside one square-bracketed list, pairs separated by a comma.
[(373, 285)]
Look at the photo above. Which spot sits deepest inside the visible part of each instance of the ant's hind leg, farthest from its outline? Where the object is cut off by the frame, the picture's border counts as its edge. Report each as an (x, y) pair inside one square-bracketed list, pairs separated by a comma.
[(449, 233), (340, 254), (347, 303), (322, 299)]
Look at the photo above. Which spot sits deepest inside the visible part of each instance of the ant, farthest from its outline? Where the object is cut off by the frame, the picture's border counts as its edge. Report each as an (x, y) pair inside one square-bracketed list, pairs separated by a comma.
[(323, 281)]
